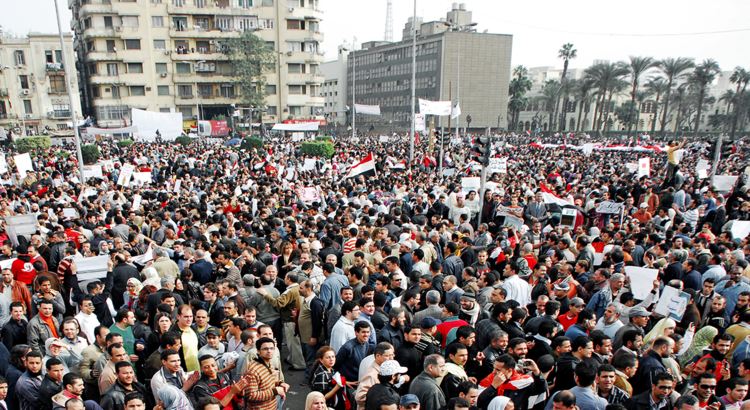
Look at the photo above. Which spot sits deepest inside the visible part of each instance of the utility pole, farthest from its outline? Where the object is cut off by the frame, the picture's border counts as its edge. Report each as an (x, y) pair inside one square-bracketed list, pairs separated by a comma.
[(70, 95), (717, 156), (354, 93), (413, 81)]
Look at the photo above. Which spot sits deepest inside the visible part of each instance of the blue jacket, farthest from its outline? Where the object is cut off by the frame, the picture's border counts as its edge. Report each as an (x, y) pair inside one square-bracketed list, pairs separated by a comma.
[(575, 331), (600, 301), (649, 365), (348, 358), (202, 271), (330, 290)]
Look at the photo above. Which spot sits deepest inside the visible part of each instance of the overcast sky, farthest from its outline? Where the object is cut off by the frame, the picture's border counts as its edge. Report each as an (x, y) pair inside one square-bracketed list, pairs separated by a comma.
[(538, 28)]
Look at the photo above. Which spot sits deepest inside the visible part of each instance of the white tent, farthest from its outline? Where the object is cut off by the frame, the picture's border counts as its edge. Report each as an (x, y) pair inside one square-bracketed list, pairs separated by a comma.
[(305, 126)]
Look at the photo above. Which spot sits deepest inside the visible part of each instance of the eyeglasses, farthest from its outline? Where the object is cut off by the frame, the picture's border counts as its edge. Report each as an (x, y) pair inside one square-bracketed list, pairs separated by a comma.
[(267, 349), (708, 387), (669, 387)]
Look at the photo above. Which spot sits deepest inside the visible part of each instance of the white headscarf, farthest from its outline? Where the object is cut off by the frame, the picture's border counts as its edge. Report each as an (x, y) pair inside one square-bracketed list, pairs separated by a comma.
[(498, 403)]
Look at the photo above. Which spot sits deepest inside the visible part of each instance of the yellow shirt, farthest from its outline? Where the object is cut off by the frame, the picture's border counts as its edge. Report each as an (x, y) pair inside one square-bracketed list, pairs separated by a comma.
[(672, 154), (189, 342)]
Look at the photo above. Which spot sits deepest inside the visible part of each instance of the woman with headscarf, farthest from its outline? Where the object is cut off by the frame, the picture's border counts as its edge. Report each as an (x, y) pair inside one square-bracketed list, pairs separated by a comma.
[(664, 327), (152, 277), (501, 403), (702, 340), (315, 401), (171, 398), (132, 291)]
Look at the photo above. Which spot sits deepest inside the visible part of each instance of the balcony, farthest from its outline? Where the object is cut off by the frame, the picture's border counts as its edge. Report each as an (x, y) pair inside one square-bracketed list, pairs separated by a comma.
[(304, 13), (3, 116), (198, 56), (57, 90), (100, 32), (3, 92), (186, 96), (92, 56), (58, 114), (189, 8), (99, 7), (200, 33), (54, 66)]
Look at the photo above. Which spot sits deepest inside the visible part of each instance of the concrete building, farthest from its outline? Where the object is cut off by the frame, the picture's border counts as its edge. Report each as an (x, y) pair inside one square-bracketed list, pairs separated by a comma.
[(335, 85), (384, 71), (166, 55), (32, 84), (536, 115)]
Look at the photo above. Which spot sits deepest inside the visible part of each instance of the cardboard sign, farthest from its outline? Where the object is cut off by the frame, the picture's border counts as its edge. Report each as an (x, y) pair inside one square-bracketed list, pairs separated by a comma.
[(419, 122), (142, 177), (384, 139), (125, 174), (609, 207), (69, 212), (309, 195), (498, 165), (136, 202), (309, 164), (23, 164), (470, 184), (22, 224), (509, 211), (92, 171), (725, 182), (641, 280), (673, 303), (91, 268)]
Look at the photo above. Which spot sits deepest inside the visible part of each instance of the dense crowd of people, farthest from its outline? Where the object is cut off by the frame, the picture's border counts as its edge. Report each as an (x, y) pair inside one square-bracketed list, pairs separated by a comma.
[(398, 288)]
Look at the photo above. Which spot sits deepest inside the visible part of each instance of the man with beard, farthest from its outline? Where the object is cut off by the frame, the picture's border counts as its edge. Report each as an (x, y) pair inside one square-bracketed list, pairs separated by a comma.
[(651, 364), (717, 315), (660, 395), (392, 331), (719, 350), (30, 381), (218, 385), (497, 347), (114, 397), (610, 320)]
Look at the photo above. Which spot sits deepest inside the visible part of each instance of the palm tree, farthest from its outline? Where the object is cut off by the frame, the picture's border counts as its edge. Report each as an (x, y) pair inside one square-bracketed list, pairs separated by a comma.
[(729, 96), (517, 90), (740, 76), (605, 76), (550, 95), (567, 88), (657, 86), (584, 87), (616, 87), (637, 66), (680, 97), (520, 72), (673, 69), (566, 53), (705, 73), (641, 96)]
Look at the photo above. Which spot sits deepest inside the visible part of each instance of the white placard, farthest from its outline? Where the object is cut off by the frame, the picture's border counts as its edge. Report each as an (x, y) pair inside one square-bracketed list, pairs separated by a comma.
[(91, 268), (69, 212), (309, 195), (672, 303), (419, 122), (702, 164), (125, 174), (143, 259), (498, 165), (87, 192), (609, 207), (449, 171), (588, 149), (470, 184), (6, 264), (23, 164), (136, 202), (22, 224), (632, 167), (92, 171), (440, 108), (177, 185), (384, 139), (108, 165), (724, 182), (641, 280), (144, 177), (740, 229), (309, 164), (367, 109), (290, 174), (3, 164), (702, 174), (644, 167)]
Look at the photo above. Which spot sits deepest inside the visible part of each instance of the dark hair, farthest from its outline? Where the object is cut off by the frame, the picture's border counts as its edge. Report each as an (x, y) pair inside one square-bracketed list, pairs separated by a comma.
[(507, 361), (630, 336), (686, 399), (453, 349), (363, 324), (134, 395), (348, 306), (120, 365), (734, 382), (168, 339), (456, 402), (558, 341), (565, 397), (204, 402), (168, 352), (664, 376), (705, 375), (263, 340), (586, 373), (580, 342), (52, 362)]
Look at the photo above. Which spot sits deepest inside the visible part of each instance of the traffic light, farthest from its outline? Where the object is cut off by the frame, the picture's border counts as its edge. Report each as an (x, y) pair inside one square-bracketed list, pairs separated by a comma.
[(482, 148)]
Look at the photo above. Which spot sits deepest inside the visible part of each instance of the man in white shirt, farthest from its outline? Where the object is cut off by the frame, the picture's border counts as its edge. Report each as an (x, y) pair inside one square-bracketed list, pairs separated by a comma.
[(87, 319), (517, 288), (609, 323), (343, 330)]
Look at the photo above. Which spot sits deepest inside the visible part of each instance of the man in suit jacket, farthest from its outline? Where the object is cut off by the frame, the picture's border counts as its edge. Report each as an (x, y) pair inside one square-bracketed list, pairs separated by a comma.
[(286, 303), (433, 309), (536, 211)]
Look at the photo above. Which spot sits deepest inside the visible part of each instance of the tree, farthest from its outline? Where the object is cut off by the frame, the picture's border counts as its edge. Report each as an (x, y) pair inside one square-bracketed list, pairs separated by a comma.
[(517, 90), (550, 95), (716, 120), (605, 76), (729, 97), (566, 53), (641, 96), (584, 88), (250, 59), (705, 73), (567, 87), (740, 76), (657, 86), (679, 97), (626, 115), (673, 69), (637, 66)]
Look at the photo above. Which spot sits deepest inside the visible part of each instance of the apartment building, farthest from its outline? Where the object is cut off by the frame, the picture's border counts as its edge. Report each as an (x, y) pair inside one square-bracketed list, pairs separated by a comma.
[(32, 84), (166, 55)]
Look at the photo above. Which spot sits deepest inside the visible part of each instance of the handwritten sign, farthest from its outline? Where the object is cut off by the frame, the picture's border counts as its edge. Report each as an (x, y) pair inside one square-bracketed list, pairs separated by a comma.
[(609, 207), (672, 303), (469, 184), (509, 211), (309, 194), (641, 280), (384, 139), (498, 165), (92, 171), (644, 167), (125, 174)]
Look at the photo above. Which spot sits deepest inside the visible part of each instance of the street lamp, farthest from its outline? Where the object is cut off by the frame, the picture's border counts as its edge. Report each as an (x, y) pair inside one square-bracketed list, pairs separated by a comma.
[(458, 28), (197, 102)]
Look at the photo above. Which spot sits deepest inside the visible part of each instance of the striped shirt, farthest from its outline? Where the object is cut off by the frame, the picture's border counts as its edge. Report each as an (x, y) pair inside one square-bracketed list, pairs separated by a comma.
[(260, 393)]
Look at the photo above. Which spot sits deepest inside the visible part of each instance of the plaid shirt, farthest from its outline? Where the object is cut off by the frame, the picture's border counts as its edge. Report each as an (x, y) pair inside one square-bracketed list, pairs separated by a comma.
[(616, 396)]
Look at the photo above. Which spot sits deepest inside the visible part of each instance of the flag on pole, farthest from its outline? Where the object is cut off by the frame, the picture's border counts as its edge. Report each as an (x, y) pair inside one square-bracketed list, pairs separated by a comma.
[(456, 111), (365, 167)]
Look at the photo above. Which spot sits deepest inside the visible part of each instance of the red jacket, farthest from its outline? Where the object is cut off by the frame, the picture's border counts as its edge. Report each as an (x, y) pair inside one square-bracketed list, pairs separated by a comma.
[(23, 269)]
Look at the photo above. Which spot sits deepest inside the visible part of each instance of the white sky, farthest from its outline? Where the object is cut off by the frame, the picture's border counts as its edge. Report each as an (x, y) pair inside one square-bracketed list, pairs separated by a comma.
[(539, 28)]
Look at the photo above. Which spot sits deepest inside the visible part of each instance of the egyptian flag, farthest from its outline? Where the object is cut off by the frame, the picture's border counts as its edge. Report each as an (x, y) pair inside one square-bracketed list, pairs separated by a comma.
[(365, 167), (340, 381), (598, 252), (263, 163), (549, 197), (517, 381), (399, 165)]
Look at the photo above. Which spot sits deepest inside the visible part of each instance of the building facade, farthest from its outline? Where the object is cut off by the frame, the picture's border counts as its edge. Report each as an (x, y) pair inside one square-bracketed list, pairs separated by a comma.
[(335, 85), (33, 94), (166, 56), (384, 72)]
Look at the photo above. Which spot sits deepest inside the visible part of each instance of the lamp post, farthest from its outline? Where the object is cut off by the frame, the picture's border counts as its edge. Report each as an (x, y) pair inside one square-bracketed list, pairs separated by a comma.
[(197, 95), (458, 28), (413, 82)]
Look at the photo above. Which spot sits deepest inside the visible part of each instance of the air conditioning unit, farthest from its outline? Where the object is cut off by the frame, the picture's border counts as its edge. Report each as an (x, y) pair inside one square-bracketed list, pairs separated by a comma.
[(29, 115), (51, 114), (167, 52), (118, 28), (291, 9), (26, 92), (211, 42), (289, 53), (163, 75)]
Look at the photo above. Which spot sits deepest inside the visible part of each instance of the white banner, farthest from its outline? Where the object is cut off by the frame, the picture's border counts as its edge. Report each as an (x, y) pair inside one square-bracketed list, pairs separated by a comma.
[(69, 213), (440, 108), (740, 229), (456, 111), (309, 164), (588, 149), (92, 171), (725, 182), (498, 165), (125, 174), (419, 122), (632, 167), (144, 177), (384, 139), (609, 207), (3, 164), (136, 202), (644, 167), (23, 164), (23, 224), (169, 125), (641, 280), (91, 268), (470, 184), (367, 109)]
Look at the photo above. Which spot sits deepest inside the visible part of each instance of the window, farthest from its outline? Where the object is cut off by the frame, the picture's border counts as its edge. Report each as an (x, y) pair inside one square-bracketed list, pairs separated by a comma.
[(266, 23), (58, 56), (48, 56), (295, 110), (95, 92), (129, 21), (178, 3), (161, 68), (112, 113), (292, 3), (206, 90), (271, 89), (57, 84), (294, 46), (223, 23), (110, 46), (271, 110), (248, 23), (297, 89), (201, 3), (296, 68), (245, 4), (132, 44), (227, 90), (24, 81), (116, 92), (294, 25), (112, 69), (203, 47), (182, 68), (137, 90), (27, 107), (180, 23), (267, 3), (165, 110), (135, 67), (270, 45), (202, 22), (185, 91), (160, 44), (187, 112), (61, 110), (157, 21), (93, 69), (20, 59), (87, 23), (107, 21), (162, 90)]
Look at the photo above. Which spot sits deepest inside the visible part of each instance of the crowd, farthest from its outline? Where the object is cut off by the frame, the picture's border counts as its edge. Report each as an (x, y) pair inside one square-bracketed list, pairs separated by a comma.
[(391, 289)]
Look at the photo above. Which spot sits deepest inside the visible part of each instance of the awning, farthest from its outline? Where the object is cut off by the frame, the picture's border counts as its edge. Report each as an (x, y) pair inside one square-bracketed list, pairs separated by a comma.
[(309, 126), (111, 131)]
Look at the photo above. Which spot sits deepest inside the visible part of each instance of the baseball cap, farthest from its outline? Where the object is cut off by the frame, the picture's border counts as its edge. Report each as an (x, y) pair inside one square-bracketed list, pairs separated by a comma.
[(213, 331), (638, 311), (429, 322), (391, 367), (562, 286), (644, 205), (408, 399), (576, 302)]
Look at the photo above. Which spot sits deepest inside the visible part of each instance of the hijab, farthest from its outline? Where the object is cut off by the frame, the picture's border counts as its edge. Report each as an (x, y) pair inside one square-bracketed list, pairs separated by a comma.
[(702, 339), (498, 403), (138, 286), (311, 398), (658, 330), (173, 398)]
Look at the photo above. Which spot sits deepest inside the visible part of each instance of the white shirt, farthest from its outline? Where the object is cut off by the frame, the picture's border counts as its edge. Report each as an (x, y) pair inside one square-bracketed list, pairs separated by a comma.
[(518, 290), (88, 324)]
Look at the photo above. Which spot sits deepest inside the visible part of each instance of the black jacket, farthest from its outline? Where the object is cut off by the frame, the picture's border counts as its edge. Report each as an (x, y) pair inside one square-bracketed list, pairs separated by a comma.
[(120, 275), (376, 393), (153, 300), (408, 356), (100, 299), (114, 397), (566, 366), (47, 389), (643, 401), (520, 398), (14, 333)]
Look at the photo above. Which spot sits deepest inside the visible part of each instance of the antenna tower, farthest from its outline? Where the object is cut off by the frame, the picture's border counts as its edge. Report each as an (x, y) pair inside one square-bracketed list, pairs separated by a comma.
[(389, 23)]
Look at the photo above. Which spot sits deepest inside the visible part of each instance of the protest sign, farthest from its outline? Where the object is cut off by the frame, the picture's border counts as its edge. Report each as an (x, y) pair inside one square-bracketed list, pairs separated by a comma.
[(513, 222), (384, 139), (145, 258), (22, 224), (439, 108), (609, 207), (125, 174), (142, 177), (702, 164), (509, 211), (672, 303), (69, 212), (470, 184), (23, 164), (498, 165), (92, 171), (3, 164), (418, 122), (740, 229), (644, 167), (632, 167), (724, 182), (91, 268), (309, 164), (177, 185), (641, 280), (449, 171), (136, 202), (309, 194)]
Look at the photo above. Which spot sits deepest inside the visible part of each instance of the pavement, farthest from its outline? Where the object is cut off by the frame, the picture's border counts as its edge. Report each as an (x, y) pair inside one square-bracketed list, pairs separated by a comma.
[(295, 397)]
